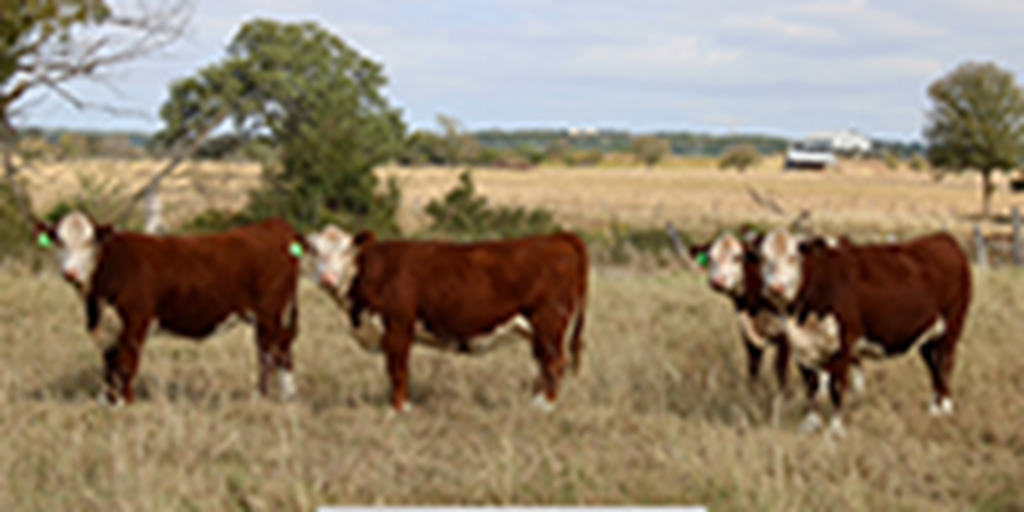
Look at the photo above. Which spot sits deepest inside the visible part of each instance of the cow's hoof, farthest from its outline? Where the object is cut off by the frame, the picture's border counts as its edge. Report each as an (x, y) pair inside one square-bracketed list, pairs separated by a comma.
[(812, 422), (542, 402), (836, 430), (104, 399), (404, 409), (943, 407), (287, 383)]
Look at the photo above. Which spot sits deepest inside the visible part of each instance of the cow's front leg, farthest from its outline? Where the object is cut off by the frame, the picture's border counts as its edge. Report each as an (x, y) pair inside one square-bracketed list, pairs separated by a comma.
[(121, 362), (754, 356), (812, 382), (397, 345), (782, 356), (839, 375)]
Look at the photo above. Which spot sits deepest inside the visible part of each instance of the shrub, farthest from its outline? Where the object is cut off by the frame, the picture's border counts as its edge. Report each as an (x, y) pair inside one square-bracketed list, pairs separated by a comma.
[(465, 215), (740, 157)]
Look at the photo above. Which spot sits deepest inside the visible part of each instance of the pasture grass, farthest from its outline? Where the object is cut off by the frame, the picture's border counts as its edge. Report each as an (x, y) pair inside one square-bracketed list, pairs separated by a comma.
[(660, 414)]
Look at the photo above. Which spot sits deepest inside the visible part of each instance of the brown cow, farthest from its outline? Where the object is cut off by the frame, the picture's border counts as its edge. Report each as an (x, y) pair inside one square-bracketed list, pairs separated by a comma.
[(733, 269), (873, 301), (187, 285), (467, 298)]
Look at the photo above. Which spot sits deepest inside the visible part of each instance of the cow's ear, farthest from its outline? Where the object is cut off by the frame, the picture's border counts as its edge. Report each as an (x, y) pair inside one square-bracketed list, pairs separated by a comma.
[(44, 234), (104, 232)]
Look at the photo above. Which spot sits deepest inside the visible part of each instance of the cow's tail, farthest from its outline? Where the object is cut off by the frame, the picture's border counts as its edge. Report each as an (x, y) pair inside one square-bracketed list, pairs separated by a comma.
[(576, 343)]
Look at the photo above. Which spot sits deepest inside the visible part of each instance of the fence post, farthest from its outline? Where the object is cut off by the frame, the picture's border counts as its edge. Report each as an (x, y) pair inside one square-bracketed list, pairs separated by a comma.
[(981, 254), (1018, 257)]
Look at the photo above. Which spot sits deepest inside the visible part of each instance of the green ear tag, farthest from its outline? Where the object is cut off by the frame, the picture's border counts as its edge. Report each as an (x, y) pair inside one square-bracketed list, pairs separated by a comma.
[(295, 249), (44, 241), (702, 259)]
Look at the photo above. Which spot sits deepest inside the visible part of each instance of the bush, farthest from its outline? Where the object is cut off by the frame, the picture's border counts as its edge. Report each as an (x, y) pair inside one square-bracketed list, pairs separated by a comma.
[(464, 215), (740, 157)]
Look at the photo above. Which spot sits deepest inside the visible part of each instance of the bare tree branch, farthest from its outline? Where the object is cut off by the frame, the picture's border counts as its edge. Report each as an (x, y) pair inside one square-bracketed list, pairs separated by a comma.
[(182, 153)]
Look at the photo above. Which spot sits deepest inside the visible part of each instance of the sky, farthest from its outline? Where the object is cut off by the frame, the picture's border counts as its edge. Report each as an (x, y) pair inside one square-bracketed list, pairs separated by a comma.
[(746, 66)]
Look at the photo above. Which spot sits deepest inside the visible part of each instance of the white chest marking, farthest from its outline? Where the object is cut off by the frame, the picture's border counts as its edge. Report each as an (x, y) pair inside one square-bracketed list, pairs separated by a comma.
[(814, 340), (759, 329), (370, 334)]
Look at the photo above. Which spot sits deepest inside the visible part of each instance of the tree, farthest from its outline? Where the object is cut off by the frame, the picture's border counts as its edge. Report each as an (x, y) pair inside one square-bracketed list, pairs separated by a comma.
[(976, 123), (318, 102), (44, 44), (740, 157), (650, 149)]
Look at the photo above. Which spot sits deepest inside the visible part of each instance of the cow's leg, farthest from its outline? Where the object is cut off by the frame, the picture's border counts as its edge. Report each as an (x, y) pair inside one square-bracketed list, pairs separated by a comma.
[(939, 357), (782, 355), (121, 362), (548, 333), (839, 372), (812, 381), (754, 356), (397, 343), (276, 331)]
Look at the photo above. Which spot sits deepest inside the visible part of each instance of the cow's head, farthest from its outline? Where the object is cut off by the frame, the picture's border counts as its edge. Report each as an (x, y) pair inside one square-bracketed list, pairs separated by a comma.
[(333, 252), (780, 265), (725, 264), (78, 241)]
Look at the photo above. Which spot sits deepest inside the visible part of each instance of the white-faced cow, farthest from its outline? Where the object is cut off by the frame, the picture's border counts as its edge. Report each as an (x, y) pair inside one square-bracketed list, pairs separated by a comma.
[(870, 301), (467, 298), (733, 269), (187, 285)]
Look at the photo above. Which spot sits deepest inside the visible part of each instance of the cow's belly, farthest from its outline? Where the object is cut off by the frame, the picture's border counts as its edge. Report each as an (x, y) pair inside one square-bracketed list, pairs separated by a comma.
[(370, 334)]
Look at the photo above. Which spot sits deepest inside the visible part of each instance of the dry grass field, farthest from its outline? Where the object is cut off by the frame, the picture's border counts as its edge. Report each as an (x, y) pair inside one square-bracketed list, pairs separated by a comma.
[(660, 413)]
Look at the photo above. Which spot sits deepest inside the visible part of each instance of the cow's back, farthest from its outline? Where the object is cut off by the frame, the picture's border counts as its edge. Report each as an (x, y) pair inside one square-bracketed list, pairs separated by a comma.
[(465, 289), (193, 283)]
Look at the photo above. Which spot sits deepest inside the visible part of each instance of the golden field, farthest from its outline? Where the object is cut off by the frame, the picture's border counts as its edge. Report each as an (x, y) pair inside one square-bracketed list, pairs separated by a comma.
[(862, 196), (660, 414)]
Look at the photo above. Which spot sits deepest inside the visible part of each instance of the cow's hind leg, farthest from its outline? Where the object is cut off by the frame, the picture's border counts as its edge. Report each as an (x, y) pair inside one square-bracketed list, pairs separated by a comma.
[(548, 333), (397, 345), (939, 356)]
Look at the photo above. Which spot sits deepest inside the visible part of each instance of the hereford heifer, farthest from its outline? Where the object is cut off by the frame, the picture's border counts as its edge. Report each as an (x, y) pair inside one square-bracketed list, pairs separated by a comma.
[(733, 269), (467, 298), (874, 301), (187, 285)]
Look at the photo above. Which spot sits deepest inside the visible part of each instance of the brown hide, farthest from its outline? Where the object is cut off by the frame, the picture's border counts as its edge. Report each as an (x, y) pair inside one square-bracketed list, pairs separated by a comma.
[(889, 294), (189, 285), (458, 291)]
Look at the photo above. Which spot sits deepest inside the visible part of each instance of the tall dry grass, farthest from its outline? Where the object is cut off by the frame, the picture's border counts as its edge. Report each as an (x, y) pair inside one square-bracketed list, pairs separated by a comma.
[(660, 414)]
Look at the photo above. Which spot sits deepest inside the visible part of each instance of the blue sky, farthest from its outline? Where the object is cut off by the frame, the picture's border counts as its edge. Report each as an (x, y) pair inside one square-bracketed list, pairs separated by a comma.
[(782, 67)]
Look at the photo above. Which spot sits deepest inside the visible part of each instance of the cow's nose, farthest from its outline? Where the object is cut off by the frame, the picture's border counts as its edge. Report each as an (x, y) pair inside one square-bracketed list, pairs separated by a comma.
[(776, 288), (71, 275), (718, 282), (328, 279)]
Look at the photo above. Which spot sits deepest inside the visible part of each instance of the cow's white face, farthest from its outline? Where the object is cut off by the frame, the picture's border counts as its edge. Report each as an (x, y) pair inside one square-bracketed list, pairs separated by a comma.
[(333, 254), (780, 257), (77, 248), (725, 264)]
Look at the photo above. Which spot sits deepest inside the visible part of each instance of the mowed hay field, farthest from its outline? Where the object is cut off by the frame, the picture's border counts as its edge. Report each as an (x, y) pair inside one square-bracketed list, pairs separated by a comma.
[(659, 414)]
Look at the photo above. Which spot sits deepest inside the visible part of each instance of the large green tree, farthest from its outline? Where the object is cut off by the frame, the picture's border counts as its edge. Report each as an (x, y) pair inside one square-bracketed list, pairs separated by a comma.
[(320, 105), (976, 123)]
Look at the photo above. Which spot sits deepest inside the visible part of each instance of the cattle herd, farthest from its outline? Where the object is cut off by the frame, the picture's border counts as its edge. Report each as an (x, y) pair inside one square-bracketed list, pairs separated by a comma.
[(825, 304)]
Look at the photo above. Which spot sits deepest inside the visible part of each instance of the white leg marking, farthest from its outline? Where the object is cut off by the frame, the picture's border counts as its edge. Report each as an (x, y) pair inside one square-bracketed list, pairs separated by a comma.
[(836, 428), (541, 401), (858, 380), (812, 422), (103, 399), (823, 380), (406, 408), (287, 383), (941, 408)]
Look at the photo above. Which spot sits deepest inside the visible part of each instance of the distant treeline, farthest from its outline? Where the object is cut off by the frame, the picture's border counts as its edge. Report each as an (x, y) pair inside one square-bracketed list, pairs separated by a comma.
[(72, 143)]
